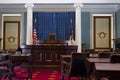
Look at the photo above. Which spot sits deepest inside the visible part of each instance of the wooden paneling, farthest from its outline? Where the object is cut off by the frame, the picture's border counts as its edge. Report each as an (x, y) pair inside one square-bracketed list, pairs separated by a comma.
[(48, 54)]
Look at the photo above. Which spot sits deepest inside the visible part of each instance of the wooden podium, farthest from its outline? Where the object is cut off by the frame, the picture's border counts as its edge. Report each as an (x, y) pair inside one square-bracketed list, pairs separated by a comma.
[(51, 42), (48, 52)]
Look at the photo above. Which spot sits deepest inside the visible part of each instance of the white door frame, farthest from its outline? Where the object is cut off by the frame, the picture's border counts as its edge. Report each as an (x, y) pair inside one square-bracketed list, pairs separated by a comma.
[(92, 29), (3, 15)]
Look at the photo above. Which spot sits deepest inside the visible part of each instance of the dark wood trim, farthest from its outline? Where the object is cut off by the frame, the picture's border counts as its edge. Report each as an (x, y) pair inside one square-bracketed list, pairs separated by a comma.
[(108, 17), (47, 55)]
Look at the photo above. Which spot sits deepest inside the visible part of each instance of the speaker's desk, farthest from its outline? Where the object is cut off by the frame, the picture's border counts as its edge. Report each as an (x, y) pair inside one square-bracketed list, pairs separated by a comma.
[(48, 54)]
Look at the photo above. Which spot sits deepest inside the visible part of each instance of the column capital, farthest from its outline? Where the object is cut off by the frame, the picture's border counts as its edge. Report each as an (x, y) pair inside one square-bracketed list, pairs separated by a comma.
[(29, 5), (78, 5)]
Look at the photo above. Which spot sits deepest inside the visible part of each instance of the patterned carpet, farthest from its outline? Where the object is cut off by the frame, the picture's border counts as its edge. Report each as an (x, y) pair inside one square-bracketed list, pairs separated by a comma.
[(39, 75)]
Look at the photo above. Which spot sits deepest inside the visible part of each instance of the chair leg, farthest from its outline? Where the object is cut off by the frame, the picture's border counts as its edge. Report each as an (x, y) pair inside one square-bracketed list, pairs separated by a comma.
[(62, 77), (10, 78), (68, 78), (0, 76), (85, 78), (79, 78), (89, 77), (82, 78)]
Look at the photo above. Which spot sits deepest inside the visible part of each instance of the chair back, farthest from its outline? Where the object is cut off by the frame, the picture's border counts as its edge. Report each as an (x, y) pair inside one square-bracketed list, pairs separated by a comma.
[(2, 57), (52, 36), (115, 58), (82, 54), (104, 55), (78, 64)]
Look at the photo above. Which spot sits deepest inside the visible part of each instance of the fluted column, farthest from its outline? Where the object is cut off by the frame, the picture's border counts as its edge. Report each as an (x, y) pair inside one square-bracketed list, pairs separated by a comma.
[(29, 7), (78, 25)]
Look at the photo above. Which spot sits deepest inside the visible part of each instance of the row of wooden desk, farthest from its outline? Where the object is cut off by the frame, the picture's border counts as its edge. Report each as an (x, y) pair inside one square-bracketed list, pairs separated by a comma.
[(13, 60), (48, 54), (101, 67), (108, 70)]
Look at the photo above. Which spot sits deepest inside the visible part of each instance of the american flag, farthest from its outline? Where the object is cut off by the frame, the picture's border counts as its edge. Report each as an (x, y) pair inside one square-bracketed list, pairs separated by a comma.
[(34, 32), (71, 30)]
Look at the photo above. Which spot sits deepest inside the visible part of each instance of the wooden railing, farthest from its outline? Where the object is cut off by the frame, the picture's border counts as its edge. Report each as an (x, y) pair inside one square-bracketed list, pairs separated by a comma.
[(48, 54)]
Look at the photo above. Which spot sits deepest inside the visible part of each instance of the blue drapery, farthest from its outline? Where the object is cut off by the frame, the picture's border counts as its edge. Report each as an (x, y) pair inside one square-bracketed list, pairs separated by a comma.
[(61, 23)]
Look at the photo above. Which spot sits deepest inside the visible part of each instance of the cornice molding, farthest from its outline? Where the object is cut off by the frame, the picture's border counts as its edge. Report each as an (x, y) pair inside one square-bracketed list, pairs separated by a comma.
[(60, 8), (29, 5), (78, 5), (117, 7), (56, 1)]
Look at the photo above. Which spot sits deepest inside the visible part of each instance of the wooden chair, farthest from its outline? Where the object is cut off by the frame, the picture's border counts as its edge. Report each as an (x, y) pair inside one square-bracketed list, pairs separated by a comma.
[(78, 67), (115, 58), (52, 36), (5, 70), (104, 55)]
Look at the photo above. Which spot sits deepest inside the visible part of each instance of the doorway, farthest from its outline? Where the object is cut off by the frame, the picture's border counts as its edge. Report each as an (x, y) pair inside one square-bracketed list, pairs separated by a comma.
[(102, 33), (10, 31), (11, 36), (108, 20)]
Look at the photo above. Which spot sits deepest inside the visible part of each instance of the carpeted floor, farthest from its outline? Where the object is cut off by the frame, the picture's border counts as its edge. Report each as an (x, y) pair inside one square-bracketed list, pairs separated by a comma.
[(39, 75)]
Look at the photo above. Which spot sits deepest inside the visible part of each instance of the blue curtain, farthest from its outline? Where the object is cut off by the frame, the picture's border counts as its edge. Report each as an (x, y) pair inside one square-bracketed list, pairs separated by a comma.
[(61, 23)]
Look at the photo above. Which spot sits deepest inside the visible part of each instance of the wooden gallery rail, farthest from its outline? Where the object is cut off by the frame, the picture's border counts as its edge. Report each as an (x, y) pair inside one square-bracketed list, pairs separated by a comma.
[(48, 54)]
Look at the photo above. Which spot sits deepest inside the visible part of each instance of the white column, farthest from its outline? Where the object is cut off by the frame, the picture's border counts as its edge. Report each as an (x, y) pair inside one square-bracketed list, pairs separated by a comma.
[(78, 25), (29, 34)]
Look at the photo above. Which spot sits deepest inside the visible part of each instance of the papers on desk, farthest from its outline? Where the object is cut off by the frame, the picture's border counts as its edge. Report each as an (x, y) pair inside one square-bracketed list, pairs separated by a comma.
[(25, 54), (4, 54), (94, 55), (16, 54)]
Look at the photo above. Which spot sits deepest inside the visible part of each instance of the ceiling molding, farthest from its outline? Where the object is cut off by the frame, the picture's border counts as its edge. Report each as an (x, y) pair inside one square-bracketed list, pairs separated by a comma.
[(57, 1), (117, 7), (60, 7)]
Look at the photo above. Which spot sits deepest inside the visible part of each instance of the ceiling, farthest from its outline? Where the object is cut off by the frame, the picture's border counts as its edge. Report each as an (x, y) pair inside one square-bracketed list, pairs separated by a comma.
[(60, 7)]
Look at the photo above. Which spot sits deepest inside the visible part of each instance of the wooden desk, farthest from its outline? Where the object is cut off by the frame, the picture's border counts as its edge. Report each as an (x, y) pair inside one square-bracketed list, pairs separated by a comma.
[(47, 55), (99, 60), (91, 60), (4, 56), (91, 56), (19, 59), (94, 55), (109, 70), (2, 62), (65, 56), (5, 64)]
